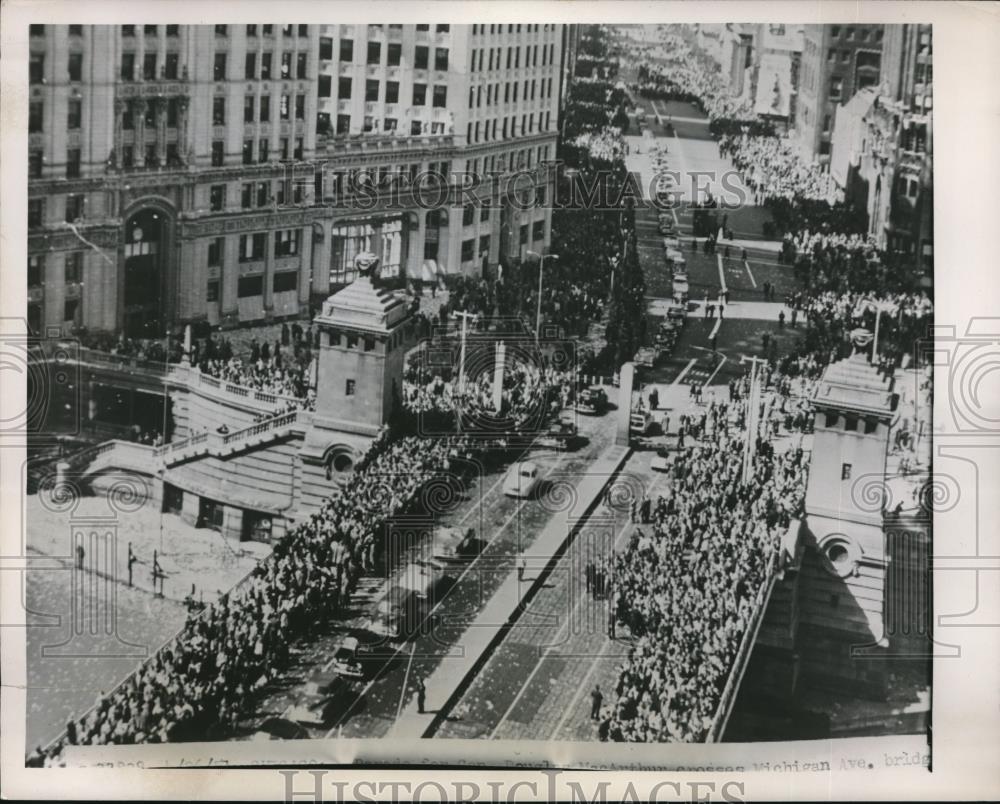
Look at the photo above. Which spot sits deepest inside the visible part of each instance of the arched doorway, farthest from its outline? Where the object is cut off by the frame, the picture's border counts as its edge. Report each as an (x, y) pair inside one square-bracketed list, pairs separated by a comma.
[(146, 253)]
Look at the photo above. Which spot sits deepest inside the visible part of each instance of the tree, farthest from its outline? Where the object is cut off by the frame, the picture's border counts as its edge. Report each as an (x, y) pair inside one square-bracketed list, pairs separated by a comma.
[(626, 329)]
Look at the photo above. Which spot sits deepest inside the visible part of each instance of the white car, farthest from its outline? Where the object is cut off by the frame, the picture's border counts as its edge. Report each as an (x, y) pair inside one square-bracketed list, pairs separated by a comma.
[(522, 480)]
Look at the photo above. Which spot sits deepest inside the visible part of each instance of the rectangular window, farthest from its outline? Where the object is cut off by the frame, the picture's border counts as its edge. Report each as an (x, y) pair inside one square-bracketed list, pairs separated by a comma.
[(421, 54), (300, 107), (70, 309), (249, 102), (343, 87), (538, 231), (303, 30), (36, 211), (173, 31), (349, 385), (419, 95), (374, 52), (251, 30), (284, 107), (264, 150), (484, 245), (392, 91), (222, 30), (286, 65), (836, 88), (128, 30), (170, 69), (286, 243), (394, 54), (250, 70), (149, 67), (263, 193), (73, 163), (219, 68), (252, 247), (246, 196), (265, 108), (35, 271), (76, 30), (440, 97), (215, 250), (247, 152), (300, 65), (285, 281), (468, 250), (265, 66), (73, 271), (343, 123), (845, 471), (74, 208), (347, 50), (217, 197), (326, 47), (371, 89), (441, 58), (128, 66), (325, 86), (218, 153), (250, 286), (218, 111), (212, 291), (443, 28), (298, 155), (36, 113), (75, 67)]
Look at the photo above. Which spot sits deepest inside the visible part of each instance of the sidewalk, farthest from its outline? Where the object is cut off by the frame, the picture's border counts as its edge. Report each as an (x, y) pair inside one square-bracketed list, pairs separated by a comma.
[(503, 608)]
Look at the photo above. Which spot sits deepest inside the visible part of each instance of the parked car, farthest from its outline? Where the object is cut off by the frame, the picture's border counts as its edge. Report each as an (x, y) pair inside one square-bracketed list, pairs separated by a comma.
[(522, 479), (680, 288), (646, 356)]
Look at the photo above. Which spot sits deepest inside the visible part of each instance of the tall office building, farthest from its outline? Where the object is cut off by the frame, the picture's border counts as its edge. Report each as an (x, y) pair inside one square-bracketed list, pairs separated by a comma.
[(897, 154), (837, 61), (196, 173)]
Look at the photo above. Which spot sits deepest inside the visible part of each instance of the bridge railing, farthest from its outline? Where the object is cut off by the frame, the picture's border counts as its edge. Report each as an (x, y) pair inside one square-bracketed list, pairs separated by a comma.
[(742, 658)]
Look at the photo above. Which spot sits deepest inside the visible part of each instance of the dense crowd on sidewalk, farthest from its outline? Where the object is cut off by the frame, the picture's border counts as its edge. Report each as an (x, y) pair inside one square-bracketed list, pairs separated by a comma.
[(205, 680), (774, 168), (689, 588)]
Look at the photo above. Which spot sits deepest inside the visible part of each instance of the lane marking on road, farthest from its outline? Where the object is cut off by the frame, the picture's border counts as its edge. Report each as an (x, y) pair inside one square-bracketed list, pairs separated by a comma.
[(687, 368), (712, 375), (722, 274), (715, 329), (746, 265)]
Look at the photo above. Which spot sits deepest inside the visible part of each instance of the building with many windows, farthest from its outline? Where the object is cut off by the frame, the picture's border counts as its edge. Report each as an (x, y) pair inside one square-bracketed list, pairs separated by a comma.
[(211, 173), (837, 61)]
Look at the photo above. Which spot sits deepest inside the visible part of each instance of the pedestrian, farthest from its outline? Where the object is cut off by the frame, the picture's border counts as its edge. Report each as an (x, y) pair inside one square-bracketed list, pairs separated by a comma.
[(131, 560), (713, 342), (521, 567), (721, 307), (421, 696), (745, 255), (654, 399), (706, 308), (596, 699), (766, 338), (665, 423), (710, 311), (79, 556), (795, 315), (726, 252), (781, 319)]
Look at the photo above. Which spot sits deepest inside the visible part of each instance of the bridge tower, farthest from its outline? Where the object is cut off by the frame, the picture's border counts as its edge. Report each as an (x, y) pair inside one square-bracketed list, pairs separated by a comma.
[(364, 333), (842, 585)]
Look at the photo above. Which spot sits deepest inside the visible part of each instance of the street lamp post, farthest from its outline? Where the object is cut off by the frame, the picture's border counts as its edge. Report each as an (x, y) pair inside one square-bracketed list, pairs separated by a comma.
[(541, 270)]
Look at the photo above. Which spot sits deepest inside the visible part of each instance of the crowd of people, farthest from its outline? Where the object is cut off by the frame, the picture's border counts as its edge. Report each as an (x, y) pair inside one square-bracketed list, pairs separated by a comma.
[(773, 168), (688, 589), (204, 681)]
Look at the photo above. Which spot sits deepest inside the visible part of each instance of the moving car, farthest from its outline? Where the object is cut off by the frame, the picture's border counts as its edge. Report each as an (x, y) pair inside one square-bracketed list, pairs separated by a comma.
[(661, 463), (680, 288), (317, 705), (640, 422), (560, 433), (522, 479), (592, 400), (667, 227), (677, 312), (345, 659), (671, 243), (646, 356), (279, 728), (452, 543)]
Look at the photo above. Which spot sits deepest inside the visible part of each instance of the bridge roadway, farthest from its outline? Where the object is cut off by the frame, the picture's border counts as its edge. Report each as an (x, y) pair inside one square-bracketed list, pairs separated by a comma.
[(482, 598)]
